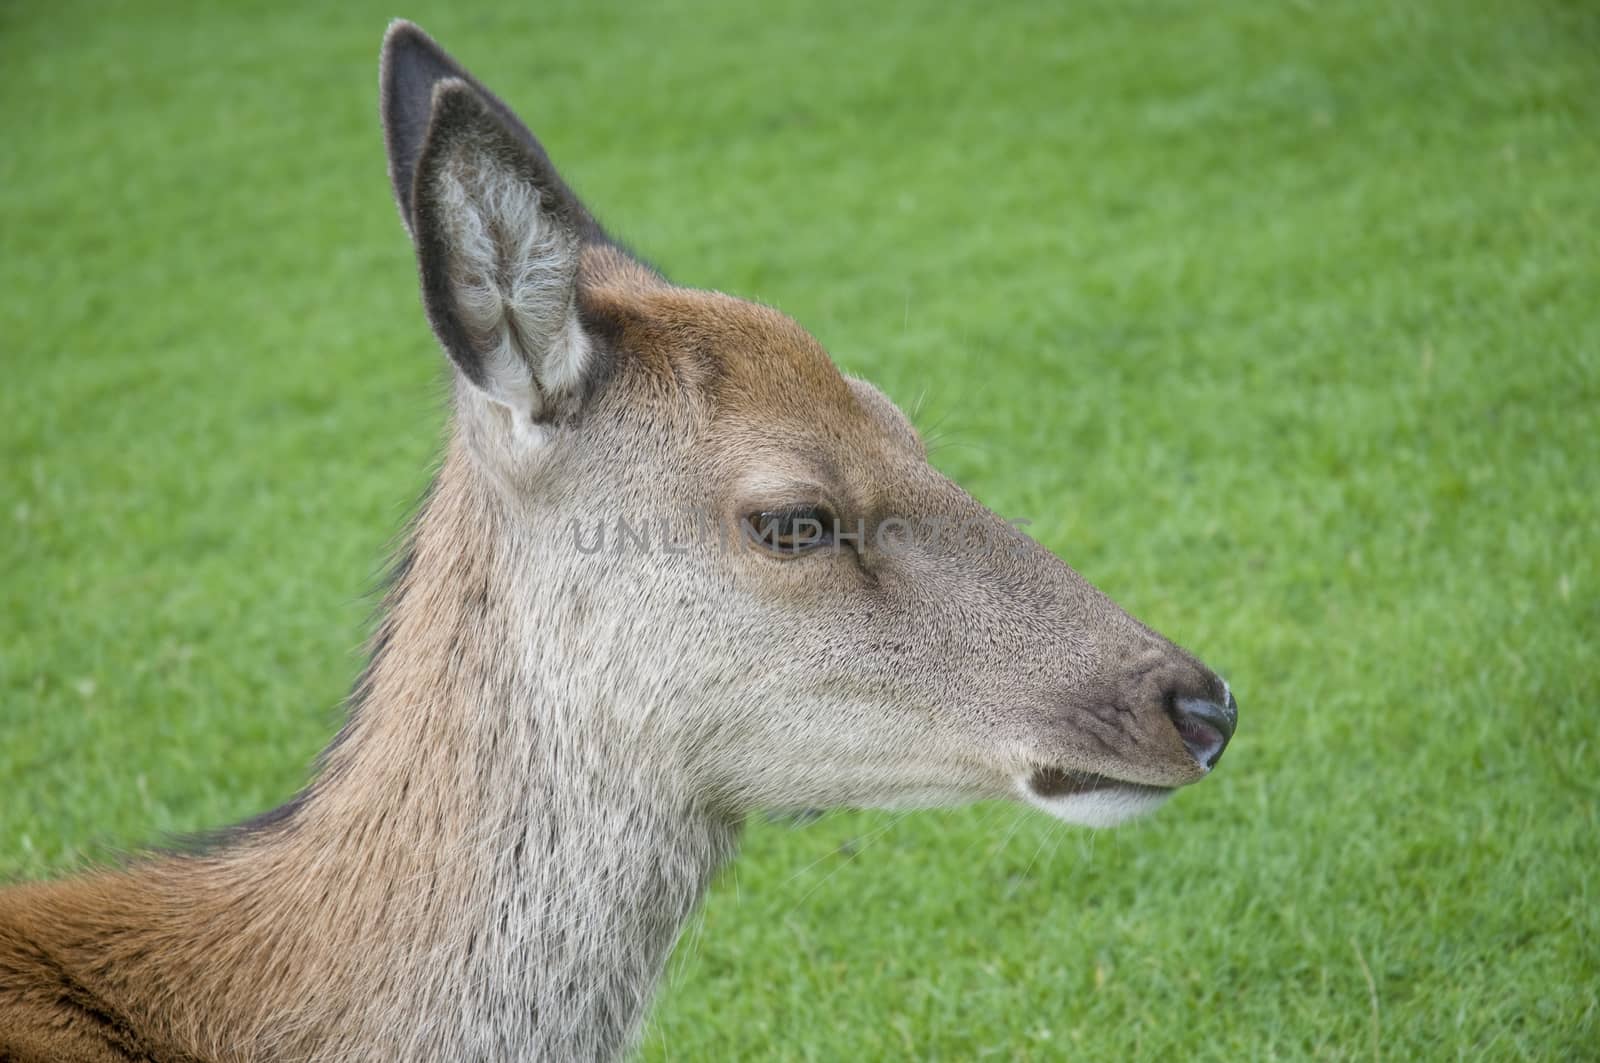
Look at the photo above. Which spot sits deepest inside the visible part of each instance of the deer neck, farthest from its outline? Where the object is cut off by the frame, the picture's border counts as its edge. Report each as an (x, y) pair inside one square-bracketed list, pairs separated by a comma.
[(488, 863)]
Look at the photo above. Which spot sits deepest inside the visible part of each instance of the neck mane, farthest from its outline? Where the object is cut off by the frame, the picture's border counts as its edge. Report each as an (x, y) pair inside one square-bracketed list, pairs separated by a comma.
[(483, 866)]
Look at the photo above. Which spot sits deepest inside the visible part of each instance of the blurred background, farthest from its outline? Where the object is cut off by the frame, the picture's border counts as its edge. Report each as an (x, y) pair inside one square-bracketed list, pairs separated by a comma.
[(1280, 321)]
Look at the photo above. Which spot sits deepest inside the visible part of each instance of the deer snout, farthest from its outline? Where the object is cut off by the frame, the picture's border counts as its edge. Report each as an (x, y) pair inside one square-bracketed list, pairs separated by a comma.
[(1171, 689), (1168, 719), (1204, 723)]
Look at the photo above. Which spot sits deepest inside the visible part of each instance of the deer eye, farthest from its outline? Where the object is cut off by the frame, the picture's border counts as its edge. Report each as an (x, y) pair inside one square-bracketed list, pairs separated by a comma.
[(792, 531)]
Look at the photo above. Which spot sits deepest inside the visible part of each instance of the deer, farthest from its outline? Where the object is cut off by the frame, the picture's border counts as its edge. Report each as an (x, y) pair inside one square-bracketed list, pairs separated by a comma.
[(554, 747)]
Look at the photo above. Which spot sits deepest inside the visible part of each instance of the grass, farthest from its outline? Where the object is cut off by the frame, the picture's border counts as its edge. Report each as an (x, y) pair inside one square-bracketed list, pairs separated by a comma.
[(1279, 320)]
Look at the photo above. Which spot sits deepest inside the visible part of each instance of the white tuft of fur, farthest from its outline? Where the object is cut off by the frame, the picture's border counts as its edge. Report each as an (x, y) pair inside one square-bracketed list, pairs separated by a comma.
[(513, 277), (1097, 808)]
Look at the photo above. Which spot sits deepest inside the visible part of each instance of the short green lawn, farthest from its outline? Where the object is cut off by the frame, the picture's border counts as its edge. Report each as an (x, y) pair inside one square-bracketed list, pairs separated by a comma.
[(1280, 321)]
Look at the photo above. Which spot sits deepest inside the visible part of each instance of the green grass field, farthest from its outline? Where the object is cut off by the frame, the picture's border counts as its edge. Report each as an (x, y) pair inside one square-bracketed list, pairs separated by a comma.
[(1280, 321)]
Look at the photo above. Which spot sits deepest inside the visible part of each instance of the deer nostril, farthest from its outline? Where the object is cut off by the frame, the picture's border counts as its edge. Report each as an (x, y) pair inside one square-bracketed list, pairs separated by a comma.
[(1205, 726)]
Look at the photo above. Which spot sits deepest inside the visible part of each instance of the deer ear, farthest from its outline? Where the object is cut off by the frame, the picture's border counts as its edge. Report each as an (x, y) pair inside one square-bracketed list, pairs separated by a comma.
[(411, 64), (498, 234)]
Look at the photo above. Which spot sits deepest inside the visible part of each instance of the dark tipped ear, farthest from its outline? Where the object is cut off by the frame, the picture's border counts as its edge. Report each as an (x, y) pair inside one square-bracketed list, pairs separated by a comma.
[(410, 66), (499, 241)]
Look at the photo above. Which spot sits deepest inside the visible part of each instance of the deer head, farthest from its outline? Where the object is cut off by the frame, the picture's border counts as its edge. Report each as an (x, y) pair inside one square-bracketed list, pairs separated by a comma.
[(726, 557)]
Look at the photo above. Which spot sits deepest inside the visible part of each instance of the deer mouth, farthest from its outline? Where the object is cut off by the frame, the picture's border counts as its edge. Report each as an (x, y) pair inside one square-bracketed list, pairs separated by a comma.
[(1089, 799), (1059, 782)]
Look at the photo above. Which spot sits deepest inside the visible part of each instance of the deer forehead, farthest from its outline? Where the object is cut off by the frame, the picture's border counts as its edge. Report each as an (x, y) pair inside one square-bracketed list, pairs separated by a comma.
[(775, 408)]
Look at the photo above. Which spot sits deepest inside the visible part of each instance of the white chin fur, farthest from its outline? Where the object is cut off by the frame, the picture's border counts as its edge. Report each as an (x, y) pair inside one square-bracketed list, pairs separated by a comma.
[(1097, 808)]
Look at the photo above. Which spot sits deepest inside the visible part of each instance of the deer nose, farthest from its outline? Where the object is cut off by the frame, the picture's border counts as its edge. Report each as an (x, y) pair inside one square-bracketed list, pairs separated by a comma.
[(1204, 724)]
